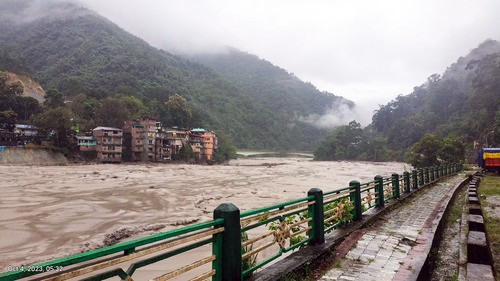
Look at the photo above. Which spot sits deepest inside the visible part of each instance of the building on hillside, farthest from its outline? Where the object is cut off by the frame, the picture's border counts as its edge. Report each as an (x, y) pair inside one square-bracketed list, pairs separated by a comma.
[(196, 141), (86, 143), (26, 130), (209, 144), (108, 144), (177, 139), (163, 149), (203, 143), (139, 139)]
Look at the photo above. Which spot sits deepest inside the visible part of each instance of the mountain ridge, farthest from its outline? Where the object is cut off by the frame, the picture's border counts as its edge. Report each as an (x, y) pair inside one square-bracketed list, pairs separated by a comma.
[(86, 54)]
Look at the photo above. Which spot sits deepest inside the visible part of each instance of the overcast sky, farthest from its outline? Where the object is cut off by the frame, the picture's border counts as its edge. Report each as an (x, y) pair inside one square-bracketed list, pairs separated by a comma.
[(366, 51)]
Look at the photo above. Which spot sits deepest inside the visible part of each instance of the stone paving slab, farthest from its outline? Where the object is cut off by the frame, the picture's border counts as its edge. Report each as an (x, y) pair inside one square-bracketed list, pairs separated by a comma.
[(388, 251), (479, 272)]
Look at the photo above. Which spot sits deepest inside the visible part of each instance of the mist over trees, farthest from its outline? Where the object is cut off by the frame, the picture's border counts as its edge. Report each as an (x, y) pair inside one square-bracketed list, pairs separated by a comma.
[(447, 112)]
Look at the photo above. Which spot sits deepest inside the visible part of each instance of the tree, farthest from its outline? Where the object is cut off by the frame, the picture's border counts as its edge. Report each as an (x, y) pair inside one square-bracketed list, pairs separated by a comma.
[(112, 113), (452, 150), (178, 110), (432, 151), (424, 153), (57, 121), (26, 107), (8, 119), (53, 99), (134, 106), (344, 144), (226, 149), (186, 152)]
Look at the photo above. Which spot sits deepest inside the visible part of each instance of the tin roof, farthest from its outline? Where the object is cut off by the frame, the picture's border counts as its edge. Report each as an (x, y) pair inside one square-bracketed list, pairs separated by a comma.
[(84, 138), (106, 129), (24, 126), (198, 130)]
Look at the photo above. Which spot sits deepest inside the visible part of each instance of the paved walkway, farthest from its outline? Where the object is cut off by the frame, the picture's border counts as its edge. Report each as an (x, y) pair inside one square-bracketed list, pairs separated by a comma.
[(399, 243)]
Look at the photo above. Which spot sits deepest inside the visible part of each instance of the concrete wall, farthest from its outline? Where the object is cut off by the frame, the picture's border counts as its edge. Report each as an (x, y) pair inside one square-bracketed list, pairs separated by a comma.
[(27, 156)]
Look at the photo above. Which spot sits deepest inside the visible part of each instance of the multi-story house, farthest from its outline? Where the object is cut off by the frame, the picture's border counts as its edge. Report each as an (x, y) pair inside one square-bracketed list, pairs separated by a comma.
[(108, 144), (196, 141), (203, 143), (139, 139), (177, 139), (163, 149)]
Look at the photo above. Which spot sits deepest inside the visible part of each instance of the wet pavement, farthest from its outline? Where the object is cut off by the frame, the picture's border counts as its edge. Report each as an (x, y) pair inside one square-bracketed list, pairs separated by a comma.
[(397, 246)]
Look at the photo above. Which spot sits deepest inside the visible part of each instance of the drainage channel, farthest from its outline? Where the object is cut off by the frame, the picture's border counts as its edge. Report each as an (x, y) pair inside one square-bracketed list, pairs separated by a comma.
[(443, 261), (479, 259)]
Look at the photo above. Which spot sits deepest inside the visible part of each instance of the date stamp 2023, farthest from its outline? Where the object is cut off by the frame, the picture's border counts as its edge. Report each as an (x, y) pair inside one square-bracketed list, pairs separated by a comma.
[(36, 268)]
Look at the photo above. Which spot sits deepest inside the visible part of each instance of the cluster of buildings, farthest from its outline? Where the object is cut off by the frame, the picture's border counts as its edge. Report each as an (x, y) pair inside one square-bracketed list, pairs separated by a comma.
[(145, 140), (18, 135), (138, 140)]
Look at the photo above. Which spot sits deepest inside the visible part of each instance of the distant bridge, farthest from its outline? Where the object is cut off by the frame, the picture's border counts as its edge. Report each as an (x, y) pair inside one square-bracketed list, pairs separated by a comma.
[(261, 153)]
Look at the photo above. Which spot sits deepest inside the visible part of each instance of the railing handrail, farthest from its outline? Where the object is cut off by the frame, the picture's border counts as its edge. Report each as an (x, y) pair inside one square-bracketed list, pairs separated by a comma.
[(277, 206), (101, 252)]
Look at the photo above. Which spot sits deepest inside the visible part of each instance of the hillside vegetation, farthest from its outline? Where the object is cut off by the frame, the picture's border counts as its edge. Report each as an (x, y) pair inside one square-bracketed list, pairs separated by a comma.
[(462, 104), (282, 94), (98, 67)]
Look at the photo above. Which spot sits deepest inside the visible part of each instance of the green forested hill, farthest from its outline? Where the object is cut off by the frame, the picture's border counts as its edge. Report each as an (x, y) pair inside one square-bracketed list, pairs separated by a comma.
[(461, 104), (264, 82), (282, 95), (93, 62)]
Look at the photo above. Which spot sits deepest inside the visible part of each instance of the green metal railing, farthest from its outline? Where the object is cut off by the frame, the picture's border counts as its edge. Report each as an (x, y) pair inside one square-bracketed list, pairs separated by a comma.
[(237, 238)]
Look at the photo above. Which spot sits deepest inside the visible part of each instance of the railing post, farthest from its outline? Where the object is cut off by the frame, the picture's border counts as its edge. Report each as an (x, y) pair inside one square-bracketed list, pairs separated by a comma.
[(432, 174), (318, 217), (356, 198), (426, 177), (395, 185), (441, 171), (229, 260), (379, 189), (414, 178), (420, 177), (406, 177)]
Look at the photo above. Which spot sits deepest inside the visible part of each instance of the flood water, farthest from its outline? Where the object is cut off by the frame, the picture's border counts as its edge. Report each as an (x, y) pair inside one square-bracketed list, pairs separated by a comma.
[(52, 211)]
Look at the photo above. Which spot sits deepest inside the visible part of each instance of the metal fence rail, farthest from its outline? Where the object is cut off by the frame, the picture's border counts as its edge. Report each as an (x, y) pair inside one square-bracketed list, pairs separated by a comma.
[(290, 225)]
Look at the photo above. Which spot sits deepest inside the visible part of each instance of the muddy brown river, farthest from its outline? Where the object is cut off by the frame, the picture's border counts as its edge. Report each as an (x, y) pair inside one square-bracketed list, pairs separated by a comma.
[(52, 211)]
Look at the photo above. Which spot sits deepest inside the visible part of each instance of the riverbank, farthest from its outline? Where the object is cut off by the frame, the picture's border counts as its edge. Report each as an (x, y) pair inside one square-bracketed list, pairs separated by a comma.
[(52, 211), (31, 156)]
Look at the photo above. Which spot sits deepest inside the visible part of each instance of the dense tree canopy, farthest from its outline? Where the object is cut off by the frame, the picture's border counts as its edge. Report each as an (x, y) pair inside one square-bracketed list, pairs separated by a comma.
[(464, 101), (178, 111)]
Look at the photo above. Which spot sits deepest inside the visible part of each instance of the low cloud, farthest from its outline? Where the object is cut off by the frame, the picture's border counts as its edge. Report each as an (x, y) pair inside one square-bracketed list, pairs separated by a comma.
[(23, 12), (339, 113)]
